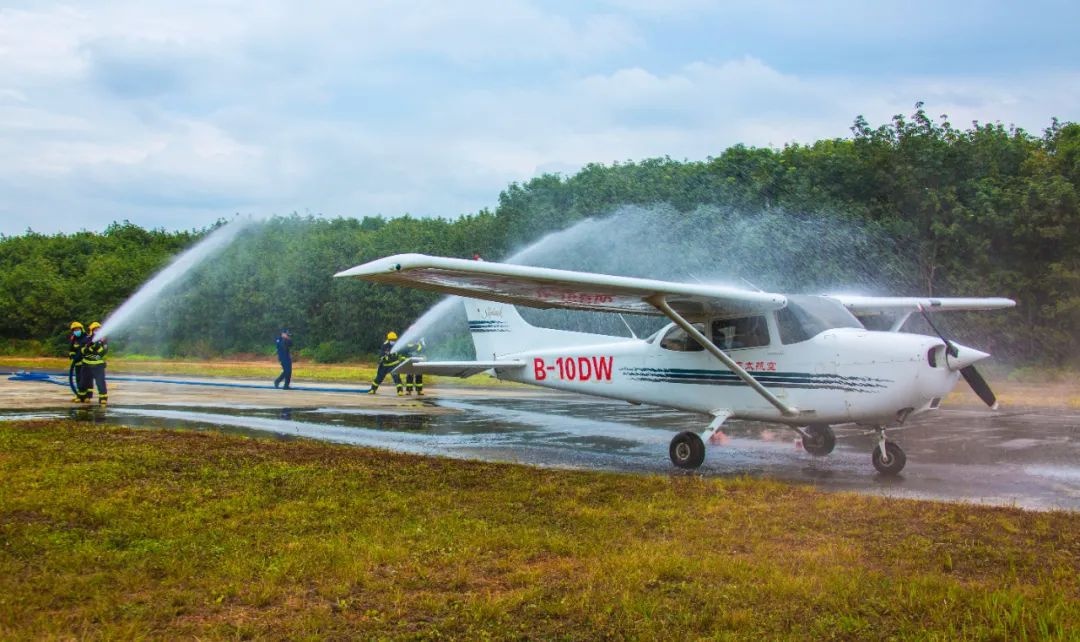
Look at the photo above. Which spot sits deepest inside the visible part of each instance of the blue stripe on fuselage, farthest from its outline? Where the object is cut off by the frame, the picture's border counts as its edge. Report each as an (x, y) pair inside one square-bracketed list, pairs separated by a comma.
[(768, 379)]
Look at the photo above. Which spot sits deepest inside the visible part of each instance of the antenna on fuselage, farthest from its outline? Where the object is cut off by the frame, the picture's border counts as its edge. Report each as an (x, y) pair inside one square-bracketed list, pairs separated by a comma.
[(750, 284), (632, 333)]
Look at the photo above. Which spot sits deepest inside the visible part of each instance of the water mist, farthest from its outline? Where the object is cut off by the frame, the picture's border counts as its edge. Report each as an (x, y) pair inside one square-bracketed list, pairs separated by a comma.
[(147, 296), (773, 250)]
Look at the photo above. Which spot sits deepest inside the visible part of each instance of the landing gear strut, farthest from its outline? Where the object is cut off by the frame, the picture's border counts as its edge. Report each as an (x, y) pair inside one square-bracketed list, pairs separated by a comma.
[(888, 458), (818, 439), (687, 450)]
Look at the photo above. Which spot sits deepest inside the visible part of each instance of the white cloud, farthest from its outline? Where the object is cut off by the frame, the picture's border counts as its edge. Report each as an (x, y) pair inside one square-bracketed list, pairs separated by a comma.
[(42, 45), (177, 116)]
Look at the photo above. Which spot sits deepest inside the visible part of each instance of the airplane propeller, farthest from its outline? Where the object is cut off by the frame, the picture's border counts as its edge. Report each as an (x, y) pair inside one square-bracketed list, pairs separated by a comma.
[(968, 371)]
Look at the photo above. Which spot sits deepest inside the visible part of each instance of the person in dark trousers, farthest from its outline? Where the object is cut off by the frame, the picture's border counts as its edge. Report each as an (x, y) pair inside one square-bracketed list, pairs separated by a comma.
[(92, 352), (414, 350), (388, 360), (75, 342), (284, 355)]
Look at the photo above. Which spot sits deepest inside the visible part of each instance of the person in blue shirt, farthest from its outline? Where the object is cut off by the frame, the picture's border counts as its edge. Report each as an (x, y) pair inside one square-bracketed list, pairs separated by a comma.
[(284, 355)]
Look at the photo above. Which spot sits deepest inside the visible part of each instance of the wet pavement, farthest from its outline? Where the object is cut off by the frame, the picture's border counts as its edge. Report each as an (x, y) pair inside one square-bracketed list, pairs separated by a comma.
[(1026, 457)]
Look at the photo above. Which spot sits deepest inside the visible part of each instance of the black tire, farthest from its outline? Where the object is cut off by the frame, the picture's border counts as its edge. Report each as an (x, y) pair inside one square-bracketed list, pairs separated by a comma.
[(893, 462), (687, 450), (819, 440)]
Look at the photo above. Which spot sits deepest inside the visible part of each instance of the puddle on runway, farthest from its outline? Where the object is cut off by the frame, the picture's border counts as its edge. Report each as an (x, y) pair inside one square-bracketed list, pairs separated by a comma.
[(1029, 459)]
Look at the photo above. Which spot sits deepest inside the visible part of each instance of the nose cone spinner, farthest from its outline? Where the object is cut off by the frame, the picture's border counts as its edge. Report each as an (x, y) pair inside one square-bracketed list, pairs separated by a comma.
[(961, 357)]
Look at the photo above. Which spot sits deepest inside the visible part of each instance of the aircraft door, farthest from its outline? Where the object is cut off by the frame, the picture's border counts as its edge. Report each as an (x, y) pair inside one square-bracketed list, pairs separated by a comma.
[(825, 364), (679, 359)]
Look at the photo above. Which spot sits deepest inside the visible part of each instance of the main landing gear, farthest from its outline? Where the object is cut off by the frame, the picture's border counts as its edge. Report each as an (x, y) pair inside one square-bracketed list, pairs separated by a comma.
[(818, 439), (687, 450)]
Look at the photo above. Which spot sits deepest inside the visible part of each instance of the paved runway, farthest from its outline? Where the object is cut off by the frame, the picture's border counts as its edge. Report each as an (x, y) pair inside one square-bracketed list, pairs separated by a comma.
[(1026, 457)]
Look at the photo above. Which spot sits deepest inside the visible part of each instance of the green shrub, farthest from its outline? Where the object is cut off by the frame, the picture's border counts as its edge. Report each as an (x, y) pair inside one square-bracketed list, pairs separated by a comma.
[(331, 352)]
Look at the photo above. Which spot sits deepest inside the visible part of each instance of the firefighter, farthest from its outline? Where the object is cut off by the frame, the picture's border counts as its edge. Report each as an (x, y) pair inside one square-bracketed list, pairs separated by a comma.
[(414, 350), (93, 351), (75, 341), (388, 360)]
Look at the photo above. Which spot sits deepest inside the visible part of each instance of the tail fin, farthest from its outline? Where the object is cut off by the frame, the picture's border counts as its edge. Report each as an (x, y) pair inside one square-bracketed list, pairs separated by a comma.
[(498, 330)]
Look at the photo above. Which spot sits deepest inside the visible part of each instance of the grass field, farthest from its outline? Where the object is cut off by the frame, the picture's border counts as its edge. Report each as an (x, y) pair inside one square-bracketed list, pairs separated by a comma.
[(119, 533)]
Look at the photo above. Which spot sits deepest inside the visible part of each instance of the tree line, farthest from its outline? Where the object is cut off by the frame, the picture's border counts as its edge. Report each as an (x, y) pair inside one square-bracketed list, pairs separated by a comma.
[(988, 210)]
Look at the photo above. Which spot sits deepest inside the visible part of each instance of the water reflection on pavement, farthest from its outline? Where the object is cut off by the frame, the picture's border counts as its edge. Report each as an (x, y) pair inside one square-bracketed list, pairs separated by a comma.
[(1028, 458)]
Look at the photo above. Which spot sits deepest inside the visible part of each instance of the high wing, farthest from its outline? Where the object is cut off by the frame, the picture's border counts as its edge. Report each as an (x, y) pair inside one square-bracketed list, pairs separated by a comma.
[(865, 305), (539, 287), (891, 313)]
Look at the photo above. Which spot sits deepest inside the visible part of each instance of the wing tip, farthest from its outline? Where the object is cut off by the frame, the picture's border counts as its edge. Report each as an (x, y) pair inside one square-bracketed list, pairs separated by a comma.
[(385, 265)]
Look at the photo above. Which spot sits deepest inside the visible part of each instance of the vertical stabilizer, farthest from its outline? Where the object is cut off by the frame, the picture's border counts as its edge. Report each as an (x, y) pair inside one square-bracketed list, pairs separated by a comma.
[(498, 330)]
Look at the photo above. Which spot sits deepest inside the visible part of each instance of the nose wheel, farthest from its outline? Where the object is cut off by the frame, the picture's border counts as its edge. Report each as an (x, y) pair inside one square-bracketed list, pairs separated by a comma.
[(888, 458), (687, 450)]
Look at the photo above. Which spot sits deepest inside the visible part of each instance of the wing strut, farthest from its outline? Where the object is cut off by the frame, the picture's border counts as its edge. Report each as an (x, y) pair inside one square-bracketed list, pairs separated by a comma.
[(659, 302)]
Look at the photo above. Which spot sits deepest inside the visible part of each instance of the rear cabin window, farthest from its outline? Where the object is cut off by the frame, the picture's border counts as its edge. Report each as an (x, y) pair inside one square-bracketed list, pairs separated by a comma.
[(676, 339), (747, 332)]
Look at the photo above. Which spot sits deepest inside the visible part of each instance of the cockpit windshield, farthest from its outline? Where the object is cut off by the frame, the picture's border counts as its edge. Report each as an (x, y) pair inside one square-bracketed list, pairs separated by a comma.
[(808, 316)]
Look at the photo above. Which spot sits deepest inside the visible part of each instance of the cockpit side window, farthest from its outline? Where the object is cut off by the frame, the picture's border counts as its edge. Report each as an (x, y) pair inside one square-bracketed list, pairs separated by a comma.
[(791, 331), (677, 340), (747, 332)]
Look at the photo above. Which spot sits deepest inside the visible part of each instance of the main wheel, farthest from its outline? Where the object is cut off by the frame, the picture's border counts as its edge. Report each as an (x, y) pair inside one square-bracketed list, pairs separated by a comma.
[(892, 462), (687, 450), (819, 439)]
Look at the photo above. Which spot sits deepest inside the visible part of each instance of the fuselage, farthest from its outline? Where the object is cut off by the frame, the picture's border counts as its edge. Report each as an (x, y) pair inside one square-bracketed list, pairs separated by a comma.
[(841, 375)]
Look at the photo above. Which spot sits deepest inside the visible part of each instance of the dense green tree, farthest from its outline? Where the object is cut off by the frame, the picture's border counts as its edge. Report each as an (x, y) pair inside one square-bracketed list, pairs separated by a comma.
[(988, 210)]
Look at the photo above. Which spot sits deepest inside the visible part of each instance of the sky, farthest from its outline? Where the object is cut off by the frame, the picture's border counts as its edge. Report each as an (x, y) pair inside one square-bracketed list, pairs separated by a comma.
[(174, 115)]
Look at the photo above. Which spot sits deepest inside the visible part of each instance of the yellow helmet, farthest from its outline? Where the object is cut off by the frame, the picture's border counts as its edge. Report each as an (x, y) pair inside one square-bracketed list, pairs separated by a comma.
[(75, 325), (391, 336), (94, 326)]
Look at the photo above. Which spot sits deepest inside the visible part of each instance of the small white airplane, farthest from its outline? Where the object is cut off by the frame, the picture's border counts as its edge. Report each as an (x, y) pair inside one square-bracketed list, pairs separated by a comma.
[(807, 362)]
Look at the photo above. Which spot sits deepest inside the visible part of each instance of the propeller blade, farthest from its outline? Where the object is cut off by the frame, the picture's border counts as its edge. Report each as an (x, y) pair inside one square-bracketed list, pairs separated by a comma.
[(978, 384), (949, 347), (970, 374)]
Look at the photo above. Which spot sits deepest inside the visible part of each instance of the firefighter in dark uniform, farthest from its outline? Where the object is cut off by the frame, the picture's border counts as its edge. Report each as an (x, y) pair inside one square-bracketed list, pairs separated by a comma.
[(93, 351), (75, 341), (414, 350), (388, 360)]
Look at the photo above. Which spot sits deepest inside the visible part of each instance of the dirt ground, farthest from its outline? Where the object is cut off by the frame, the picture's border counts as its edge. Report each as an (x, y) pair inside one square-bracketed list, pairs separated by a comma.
[(124, 390)]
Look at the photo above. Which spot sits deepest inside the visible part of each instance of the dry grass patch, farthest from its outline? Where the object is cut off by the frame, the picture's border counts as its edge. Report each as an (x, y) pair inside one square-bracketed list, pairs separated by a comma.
[(120, 533)]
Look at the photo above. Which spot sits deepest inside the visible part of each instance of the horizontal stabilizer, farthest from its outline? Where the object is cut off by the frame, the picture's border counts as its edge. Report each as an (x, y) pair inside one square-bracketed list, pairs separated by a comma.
[(454, 368)]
